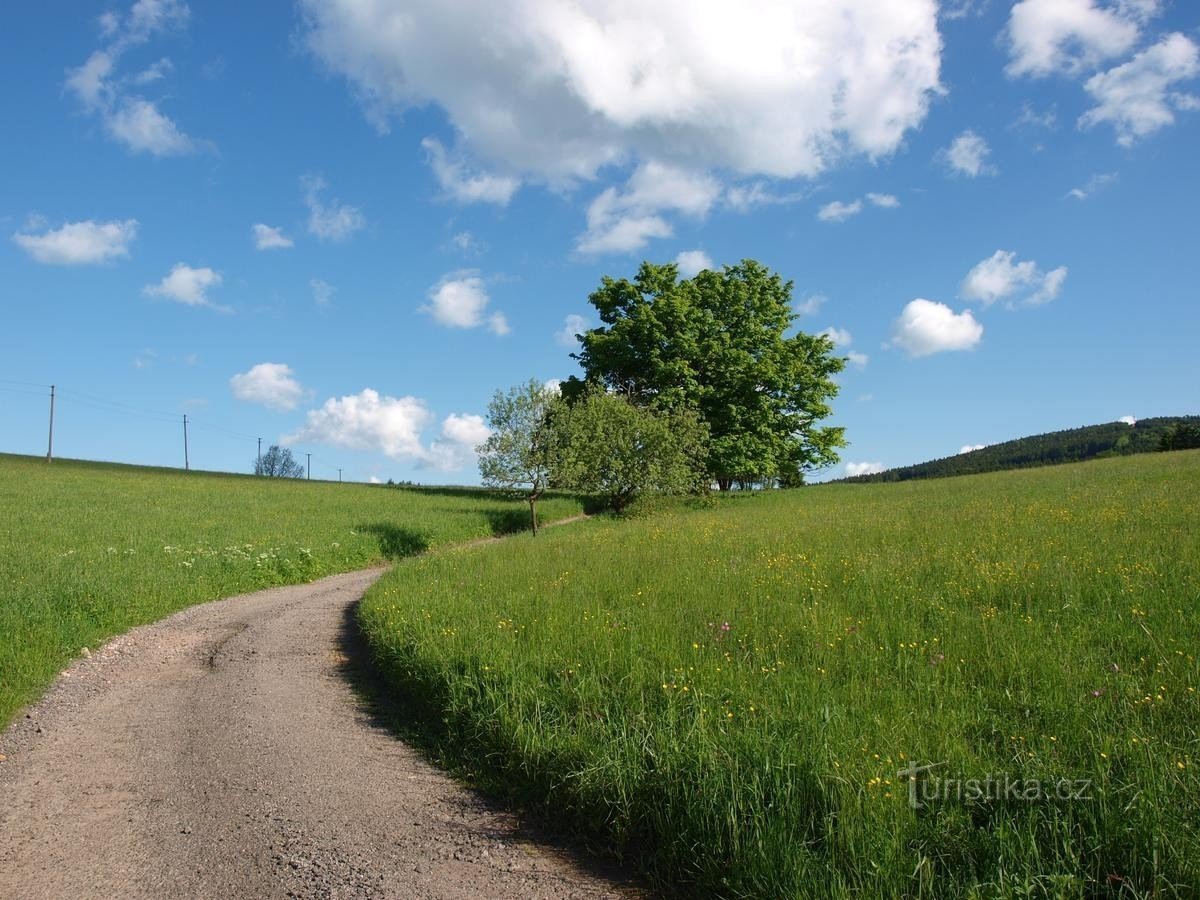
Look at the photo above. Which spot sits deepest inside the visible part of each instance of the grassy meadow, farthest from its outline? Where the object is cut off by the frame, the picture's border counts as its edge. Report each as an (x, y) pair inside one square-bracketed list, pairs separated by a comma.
[(726, 695), (89, 550)]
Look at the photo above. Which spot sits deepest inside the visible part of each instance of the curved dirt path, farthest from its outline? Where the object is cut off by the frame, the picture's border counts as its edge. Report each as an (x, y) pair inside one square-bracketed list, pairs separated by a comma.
[(223, 753)]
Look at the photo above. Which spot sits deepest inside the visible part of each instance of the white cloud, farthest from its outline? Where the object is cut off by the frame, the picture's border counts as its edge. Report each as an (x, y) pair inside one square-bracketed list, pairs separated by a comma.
[(392, 426), (1070, 36), (859, 360), (926, 327), (837, 211), (464, 185), (336, 221), (560, 89), (268, 238), (188, 286), (1128, 420), (368, 421), (1000, 277), (622, 221), (80, 243), (692, 262), (864, 468), (141, 126), (455, 447), (133, 120), (745, 197), (810, 304), (970, 448), (460, 300), (886, 201), (465, 242), (1136, 98), (273, 385), (322, 291), (967, 155), (839, 336), (572, 325), (1094, 184), (374, 479)]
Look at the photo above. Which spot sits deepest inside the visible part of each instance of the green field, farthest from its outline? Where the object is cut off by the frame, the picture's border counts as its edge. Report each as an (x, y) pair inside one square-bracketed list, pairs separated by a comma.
[(725, 696), (90, 550)]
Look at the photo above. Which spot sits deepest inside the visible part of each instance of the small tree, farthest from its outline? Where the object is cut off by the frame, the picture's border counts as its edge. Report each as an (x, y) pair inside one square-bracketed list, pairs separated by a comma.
[(519, 453), (1180, 436), (277, 462), (612, 447)]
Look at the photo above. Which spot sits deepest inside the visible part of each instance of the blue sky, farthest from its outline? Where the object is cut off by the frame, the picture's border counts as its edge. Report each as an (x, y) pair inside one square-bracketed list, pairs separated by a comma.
[(991, 205)]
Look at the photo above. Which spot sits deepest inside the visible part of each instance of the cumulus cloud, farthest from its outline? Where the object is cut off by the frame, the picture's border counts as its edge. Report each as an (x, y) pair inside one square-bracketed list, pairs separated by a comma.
[(1138, 98), (464, 185), (967, 155), (454, 448), (273, 385), (745, 197), (268, 238), (460, 300), (189, 286), (837, 211), (856, 359), (810, 304), (839, 336), (1094, 184), (926, 327), (692, 262), (1001, 277), (864, 468), (572, 325), (1069, 36), (79, 243), (619, 221), (1128, 420), (393, 426), (559, 89), (130, 118), (970, 448), (333, 221)]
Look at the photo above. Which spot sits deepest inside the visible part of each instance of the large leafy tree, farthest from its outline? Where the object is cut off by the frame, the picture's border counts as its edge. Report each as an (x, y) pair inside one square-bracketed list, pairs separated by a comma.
[(722, 343), (278, 462), (519, 453), (611, 447)]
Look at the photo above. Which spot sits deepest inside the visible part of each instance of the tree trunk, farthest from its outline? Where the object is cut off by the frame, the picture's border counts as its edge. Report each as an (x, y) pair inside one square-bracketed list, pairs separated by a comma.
[(533, 513)]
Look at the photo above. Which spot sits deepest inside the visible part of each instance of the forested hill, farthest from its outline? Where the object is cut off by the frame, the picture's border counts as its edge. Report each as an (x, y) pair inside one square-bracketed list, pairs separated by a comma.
[(1072, 445)]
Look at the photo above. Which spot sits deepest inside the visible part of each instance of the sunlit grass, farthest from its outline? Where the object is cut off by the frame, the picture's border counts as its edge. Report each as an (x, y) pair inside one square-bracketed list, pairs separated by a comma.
[(726, 696), (90, 550)]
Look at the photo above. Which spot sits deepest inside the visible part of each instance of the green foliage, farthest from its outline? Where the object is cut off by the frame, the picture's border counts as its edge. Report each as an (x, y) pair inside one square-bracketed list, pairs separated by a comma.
[(278, 462), (725, 696), (519, 453), (1072, 445), (1181, 436), (718, 343), (89, 550), (609, 446)]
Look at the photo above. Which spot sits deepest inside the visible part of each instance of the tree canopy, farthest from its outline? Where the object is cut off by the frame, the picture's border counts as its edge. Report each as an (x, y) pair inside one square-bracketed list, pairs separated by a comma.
[(722, 344), (278, 462), (611, 447), (519, 452)]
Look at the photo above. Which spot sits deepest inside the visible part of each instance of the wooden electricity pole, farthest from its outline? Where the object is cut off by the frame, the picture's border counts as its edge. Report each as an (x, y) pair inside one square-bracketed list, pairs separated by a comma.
[(309, 455), (50, 444), (186, 465)]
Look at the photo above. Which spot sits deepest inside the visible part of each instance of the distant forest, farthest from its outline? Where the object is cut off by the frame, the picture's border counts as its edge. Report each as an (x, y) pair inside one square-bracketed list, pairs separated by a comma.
[(1072, 445)]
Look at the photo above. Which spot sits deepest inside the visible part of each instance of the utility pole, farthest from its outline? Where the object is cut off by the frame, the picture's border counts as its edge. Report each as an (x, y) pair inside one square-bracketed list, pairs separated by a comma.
[(309, 455), (258, 468), (186, 464), (339, 476), (50, 445)]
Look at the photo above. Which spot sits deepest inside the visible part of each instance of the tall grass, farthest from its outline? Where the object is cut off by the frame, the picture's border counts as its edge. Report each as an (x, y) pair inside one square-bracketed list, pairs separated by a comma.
[(89, 550), (727, 696)]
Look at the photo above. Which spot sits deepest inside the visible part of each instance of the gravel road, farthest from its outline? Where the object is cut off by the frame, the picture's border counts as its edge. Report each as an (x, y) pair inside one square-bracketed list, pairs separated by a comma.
[(222, 753)]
